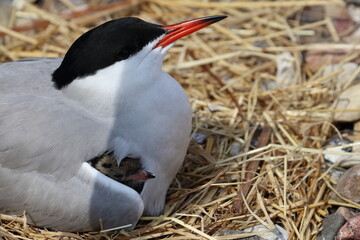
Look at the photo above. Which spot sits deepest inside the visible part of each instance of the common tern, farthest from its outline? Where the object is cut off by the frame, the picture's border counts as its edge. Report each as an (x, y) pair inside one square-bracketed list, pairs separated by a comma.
[(108, 94)]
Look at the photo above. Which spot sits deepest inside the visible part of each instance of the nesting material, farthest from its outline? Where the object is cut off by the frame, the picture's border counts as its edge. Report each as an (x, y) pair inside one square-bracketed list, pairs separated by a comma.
[(274, 178)]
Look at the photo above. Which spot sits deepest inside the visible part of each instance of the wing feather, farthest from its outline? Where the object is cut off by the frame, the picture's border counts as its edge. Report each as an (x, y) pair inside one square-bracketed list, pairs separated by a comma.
[(40, 129)]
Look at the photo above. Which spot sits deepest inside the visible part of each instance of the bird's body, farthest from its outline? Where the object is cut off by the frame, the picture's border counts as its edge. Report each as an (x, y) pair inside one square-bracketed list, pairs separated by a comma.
[(149, 116), (57, 114), (39, 94)]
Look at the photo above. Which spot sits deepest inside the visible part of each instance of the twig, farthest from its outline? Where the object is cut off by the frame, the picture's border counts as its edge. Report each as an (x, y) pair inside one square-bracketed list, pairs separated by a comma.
[(251, 170)]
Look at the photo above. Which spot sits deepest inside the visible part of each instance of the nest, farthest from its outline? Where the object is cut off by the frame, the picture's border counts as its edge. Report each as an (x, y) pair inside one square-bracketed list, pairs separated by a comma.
[(256, 157)]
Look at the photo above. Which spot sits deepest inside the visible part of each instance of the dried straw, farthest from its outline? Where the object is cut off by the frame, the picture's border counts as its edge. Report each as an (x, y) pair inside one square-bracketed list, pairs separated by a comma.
[(227, 182)]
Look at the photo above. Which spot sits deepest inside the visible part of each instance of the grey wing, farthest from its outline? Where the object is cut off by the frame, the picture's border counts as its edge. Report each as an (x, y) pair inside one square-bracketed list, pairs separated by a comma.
[(48, 135), (40, 129), (45, 140), (29, 76)]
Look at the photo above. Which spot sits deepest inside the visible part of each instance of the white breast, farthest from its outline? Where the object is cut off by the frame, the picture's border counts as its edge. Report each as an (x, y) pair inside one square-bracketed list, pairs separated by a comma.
[(149, 114)]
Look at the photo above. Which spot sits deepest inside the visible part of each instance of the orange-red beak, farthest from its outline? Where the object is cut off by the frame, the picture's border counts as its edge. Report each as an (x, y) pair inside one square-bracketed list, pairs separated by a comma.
[(179, 30)]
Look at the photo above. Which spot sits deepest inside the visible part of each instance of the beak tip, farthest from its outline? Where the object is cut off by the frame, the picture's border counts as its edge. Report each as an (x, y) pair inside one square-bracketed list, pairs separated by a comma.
[(150, 175), (215, 18)]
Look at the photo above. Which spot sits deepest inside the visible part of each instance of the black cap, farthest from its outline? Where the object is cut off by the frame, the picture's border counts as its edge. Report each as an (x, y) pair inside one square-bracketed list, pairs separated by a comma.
[(104, 45)]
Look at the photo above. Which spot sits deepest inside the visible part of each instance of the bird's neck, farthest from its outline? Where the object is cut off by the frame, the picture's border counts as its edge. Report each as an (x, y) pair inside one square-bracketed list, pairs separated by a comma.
[(109, 90)]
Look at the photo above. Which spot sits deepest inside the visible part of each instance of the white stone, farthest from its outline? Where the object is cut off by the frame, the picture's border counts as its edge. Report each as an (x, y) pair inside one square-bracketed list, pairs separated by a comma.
[(347, 105)]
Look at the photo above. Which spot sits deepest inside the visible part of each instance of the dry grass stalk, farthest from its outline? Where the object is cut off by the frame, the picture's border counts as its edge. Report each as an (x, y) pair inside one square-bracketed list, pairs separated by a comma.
[(223, 69), (244, 4)]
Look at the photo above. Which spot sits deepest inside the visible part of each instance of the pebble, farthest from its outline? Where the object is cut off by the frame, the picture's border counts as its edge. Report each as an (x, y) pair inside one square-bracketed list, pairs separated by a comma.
[(348, 185), (331, 225), (278, 234), (342, 78), (351, 229), (347, 213), (337, 155), (336, 141), (347, 100)]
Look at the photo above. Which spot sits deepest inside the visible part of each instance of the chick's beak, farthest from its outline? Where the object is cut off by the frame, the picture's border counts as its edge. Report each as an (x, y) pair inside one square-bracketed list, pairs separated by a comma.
[(140, 175), (179, 30)]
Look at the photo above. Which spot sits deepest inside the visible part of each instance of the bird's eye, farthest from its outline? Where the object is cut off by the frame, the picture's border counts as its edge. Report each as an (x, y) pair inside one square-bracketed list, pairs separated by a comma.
[(122, 55), (125, 53)]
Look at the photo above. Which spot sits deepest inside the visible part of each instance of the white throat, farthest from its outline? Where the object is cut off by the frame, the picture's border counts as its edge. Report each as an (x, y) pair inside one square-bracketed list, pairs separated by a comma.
[(115, 85)]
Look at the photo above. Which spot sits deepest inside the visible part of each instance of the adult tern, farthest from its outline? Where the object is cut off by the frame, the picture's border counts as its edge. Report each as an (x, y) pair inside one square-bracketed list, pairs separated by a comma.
[(108, 94)]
